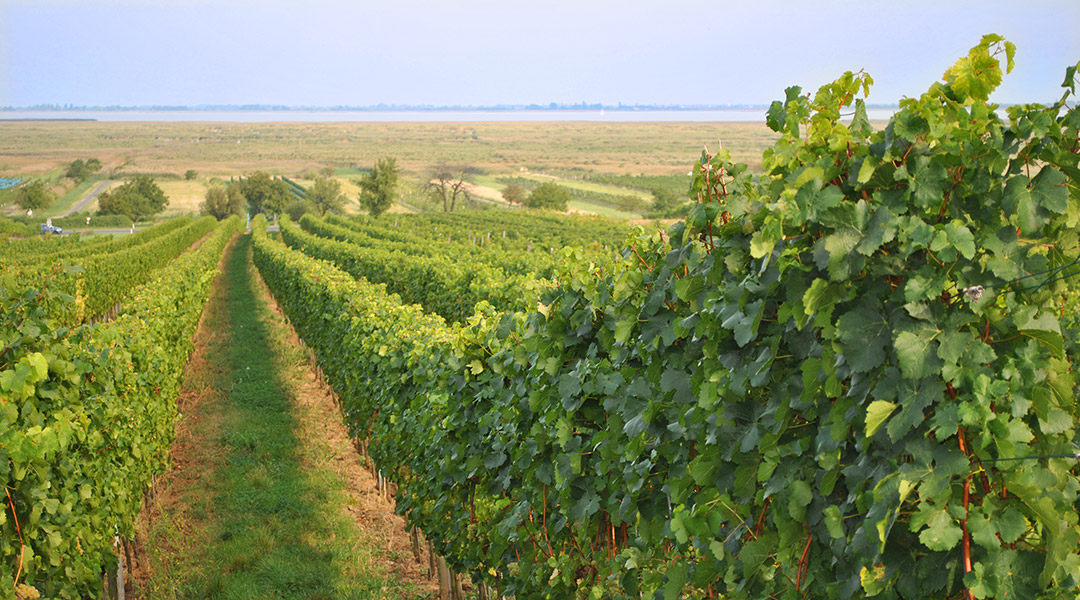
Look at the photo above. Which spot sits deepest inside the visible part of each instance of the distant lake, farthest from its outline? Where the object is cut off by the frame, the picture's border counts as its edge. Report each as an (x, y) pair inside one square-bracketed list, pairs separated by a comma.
[(756, 115)]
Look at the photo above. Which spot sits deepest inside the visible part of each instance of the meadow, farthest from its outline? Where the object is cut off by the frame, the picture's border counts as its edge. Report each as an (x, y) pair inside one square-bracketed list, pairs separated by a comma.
[(567, 152), (231, 149)]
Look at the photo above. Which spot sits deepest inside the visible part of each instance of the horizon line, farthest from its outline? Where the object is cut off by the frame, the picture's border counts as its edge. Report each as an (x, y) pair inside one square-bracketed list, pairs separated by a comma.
[(579, 107)]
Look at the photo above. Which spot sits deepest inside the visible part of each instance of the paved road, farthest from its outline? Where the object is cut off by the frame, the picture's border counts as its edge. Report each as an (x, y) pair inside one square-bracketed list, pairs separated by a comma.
[(81, 204)]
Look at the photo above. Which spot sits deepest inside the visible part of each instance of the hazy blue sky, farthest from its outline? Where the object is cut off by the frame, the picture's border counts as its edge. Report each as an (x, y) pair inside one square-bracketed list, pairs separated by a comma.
[(360, 52)]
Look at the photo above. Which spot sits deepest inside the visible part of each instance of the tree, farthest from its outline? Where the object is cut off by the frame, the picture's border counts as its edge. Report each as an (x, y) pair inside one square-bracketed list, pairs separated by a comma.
[(630, 203), (514, 194), (549, 195), (236, 196), (297, 208), (219, 203), (80, 170), (378, 187), (34, 195), (264, 193), (325, 194), (667, 204), (190, 174), (447, 184), (138, 199)]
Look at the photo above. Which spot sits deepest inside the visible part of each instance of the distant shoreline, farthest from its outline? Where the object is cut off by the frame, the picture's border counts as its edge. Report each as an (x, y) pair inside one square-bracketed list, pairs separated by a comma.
[(726, 115), (32, 119)]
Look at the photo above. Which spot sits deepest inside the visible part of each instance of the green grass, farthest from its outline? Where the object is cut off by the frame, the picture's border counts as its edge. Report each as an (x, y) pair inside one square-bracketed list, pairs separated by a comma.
[(600, 209), (273, 524), (488, 181), (70, 198), (586, 186)]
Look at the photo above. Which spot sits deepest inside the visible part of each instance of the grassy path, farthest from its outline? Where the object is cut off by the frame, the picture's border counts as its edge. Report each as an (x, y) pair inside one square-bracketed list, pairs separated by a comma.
[(267, 498)]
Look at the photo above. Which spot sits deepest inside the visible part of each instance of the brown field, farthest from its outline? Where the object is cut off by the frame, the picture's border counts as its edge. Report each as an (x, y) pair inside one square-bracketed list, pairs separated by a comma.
[(298, 149), (184, 196)]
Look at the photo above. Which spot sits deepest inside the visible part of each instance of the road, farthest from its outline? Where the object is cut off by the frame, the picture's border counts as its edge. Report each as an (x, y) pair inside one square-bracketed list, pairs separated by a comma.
[(81, 204)]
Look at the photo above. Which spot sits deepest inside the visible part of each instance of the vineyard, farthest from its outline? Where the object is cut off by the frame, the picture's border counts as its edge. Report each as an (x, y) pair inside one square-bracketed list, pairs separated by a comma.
[(95, 341), (848, 376)]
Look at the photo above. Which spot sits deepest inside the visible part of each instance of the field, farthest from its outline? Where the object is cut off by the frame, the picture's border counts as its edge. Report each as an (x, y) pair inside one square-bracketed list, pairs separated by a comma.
[(184, 196), (229, 149), (557, 151)]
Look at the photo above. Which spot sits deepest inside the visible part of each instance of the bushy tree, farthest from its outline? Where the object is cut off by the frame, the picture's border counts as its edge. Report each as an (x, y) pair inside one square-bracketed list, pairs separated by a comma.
[(667, 204), (236, 196), (79, 170), (297, 208), (138, 199), (549, 195), (630, 203), (514, 194), (220, 204), (264, 193), (35, 195), (190, 174), (325, 195), (378, 187)]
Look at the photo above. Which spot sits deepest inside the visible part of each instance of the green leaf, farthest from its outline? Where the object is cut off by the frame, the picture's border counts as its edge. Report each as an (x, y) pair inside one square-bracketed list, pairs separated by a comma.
[(764, 240), (752, 556), (821, 295), (916, 351), (1057, 421), (585, 507), (39, 365), (1011, 524), (1018, 203), (982, 530), (976, 75), (860, 126), (676, 579), (623, 329), (801, 495), (961, 238), (1031, 319), (941, 533), (927, 183), (834, 522), (1049, 190), (863, 334), (703, 467), (914, 398), (688, 288), (876, 413)]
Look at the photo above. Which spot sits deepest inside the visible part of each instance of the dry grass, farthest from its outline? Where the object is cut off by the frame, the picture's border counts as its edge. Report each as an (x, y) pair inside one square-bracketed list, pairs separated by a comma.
[(184, 196), (299, 148)]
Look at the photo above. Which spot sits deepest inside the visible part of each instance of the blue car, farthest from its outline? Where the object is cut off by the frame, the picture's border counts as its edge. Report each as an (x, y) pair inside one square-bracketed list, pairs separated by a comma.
[(46, 228)]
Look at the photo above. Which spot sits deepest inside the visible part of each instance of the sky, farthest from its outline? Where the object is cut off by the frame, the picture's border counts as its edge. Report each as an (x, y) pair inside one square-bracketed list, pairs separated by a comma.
[(324, 53)]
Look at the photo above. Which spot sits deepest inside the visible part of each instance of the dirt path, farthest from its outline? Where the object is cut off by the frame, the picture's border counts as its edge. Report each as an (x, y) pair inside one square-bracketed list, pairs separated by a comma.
[(81, 204), (267, 498)]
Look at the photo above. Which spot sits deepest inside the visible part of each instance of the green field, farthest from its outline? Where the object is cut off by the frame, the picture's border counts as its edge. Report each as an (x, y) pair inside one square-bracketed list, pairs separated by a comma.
[(586, 186)]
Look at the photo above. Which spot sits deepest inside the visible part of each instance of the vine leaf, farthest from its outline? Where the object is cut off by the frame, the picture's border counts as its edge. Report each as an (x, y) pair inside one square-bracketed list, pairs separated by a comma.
[(864, 334), (876, 413), (941, 532), (916, 351)]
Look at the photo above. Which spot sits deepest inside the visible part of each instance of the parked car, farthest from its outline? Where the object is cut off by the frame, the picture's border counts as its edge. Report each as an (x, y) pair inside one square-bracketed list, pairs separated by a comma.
[(50, 228)]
